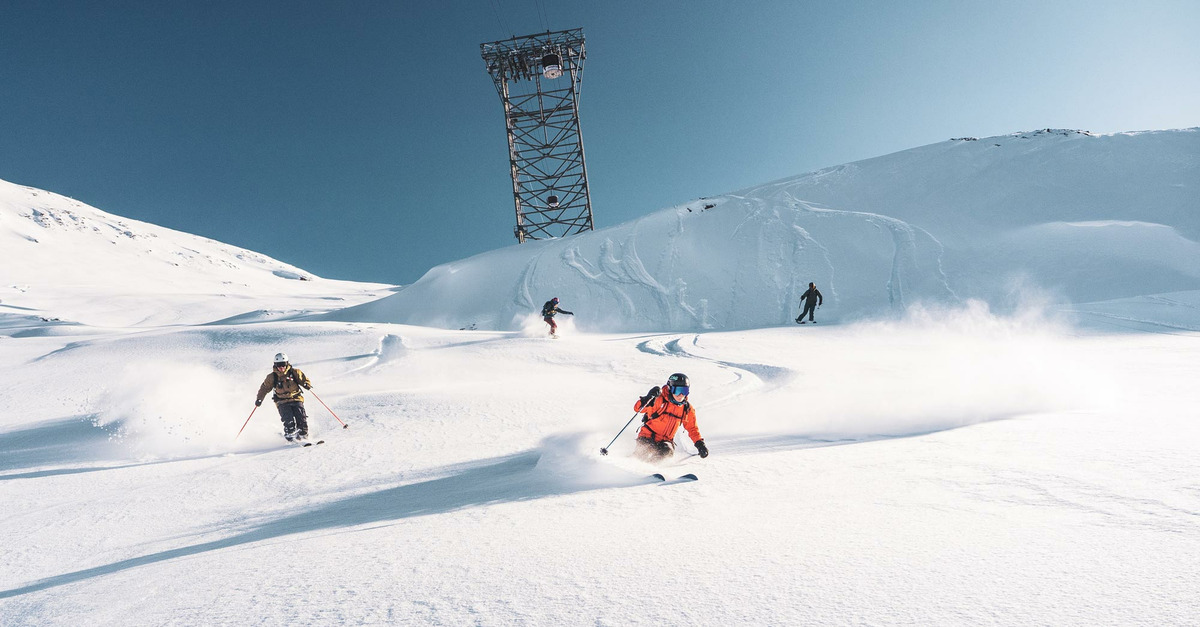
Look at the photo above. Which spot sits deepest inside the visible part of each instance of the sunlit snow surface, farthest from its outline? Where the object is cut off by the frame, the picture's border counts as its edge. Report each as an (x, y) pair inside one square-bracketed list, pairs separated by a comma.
[(1028, 461)]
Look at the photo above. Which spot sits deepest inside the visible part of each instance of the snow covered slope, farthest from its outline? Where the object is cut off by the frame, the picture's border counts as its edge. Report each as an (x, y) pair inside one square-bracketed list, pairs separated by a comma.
[(728, 262), (955, 469), (1082, 216), (61, 259), (1066, 214), (943, 466)]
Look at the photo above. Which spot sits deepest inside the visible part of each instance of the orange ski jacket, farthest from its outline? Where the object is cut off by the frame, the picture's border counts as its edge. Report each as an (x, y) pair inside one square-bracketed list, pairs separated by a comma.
[(665, 417)]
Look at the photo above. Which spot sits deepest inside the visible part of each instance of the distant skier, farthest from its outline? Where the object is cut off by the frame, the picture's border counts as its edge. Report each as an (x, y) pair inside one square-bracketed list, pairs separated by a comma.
[(810, 301), (548, 311), (289, 400), (665, 410)]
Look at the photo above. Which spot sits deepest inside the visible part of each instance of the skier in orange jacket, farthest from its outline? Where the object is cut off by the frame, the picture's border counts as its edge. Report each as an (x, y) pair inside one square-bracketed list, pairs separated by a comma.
[(665, 411)]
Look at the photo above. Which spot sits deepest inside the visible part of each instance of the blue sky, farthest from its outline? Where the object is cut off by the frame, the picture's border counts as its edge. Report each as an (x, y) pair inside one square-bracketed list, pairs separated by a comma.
[(364, 140)]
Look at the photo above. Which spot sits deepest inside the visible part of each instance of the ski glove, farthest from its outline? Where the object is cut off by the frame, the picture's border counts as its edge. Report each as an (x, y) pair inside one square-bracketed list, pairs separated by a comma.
[(258, 402), (702, 448), (649, 397), (569, 313)]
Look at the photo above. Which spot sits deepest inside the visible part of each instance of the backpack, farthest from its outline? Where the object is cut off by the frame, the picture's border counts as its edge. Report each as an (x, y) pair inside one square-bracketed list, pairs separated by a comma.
[(687, 406), (275, 379)]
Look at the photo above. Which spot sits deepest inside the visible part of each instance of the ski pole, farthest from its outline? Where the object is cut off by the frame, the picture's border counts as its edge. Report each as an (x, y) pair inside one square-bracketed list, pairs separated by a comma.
[(604, 451), (245, 423), (344, 425)]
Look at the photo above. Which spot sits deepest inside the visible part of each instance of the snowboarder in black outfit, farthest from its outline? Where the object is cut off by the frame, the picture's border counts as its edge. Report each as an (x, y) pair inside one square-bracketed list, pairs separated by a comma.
[(810, 301), (288, 397), (548, 311)]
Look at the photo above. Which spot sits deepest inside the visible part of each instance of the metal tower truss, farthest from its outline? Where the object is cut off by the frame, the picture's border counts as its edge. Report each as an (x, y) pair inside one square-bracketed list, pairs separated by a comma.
[(538, 79)]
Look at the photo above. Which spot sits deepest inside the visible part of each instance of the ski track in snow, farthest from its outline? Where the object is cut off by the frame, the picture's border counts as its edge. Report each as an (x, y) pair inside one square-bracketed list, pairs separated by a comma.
[(904, 238), (1138, 324), (750, 377)]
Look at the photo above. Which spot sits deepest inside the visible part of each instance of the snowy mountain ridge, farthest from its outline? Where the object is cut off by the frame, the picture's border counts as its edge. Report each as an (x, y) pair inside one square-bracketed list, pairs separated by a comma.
[(50, 242), (1059, 212), (56, 213)]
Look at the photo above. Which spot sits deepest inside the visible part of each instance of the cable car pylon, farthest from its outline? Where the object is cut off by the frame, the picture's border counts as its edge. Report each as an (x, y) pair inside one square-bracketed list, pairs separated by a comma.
[(538, 79)]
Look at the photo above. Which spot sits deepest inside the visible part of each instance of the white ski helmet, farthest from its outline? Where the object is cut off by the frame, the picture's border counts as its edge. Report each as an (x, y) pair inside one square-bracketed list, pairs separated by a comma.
[(281, 358)]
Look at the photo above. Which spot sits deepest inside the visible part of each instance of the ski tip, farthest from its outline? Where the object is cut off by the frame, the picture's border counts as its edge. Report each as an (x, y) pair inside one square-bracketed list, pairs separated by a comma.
[(658, 476), (690, 477)]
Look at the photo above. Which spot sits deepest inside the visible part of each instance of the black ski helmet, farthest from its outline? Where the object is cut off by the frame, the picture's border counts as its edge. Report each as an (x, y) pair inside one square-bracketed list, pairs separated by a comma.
[(678, 380)]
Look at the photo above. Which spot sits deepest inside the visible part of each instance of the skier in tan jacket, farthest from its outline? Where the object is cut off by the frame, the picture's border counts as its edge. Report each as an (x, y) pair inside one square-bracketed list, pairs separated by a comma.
[(287, 382)]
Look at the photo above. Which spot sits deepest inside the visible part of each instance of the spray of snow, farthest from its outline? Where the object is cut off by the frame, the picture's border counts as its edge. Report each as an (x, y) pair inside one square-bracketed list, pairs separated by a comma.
[(532, 325), (391, 347), (160, 409), (932, 369)]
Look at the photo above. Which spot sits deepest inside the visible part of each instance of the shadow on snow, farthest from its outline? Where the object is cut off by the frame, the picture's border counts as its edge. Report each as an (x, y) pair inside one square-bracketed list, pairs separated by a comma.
[(502, 480), (66, 440)]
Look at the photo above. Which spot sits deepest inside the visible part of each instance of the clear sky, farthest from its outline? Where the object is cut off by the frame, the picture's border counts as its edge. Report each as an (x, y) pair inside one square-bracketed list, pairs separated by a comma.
[(364, 139)]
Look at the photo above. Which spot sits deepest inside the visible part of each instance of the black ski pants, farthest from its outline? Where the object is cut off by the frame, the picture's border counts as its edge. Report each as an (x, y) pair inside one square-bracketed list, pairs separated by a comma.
[(648, 450), (809, 307), (295, 421)]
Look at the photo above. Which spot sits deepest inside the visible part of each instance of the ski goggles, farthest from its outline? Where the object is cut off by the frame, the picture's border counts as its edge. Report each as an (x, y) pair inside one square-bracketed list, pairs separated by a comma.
[(680, 389), (281, 364)]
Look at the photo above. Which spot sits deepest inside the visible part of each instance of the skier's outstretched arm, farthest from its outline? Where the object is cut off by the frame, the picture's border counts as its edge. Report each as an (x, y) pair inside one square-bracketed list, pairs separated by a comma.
[(263, 390), (646, 403)]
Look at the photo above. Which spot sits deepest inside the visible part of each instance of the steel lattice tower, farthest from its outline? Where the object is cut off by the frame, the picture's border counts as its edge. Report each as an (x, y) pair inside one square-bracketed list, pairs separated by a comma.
[(538, 77)]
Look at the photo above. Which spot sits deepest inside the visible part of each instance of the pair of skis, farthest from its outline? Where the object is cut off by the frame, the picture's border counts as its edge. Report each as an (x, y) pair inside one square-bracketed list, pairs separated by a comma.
[(660, 478)]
